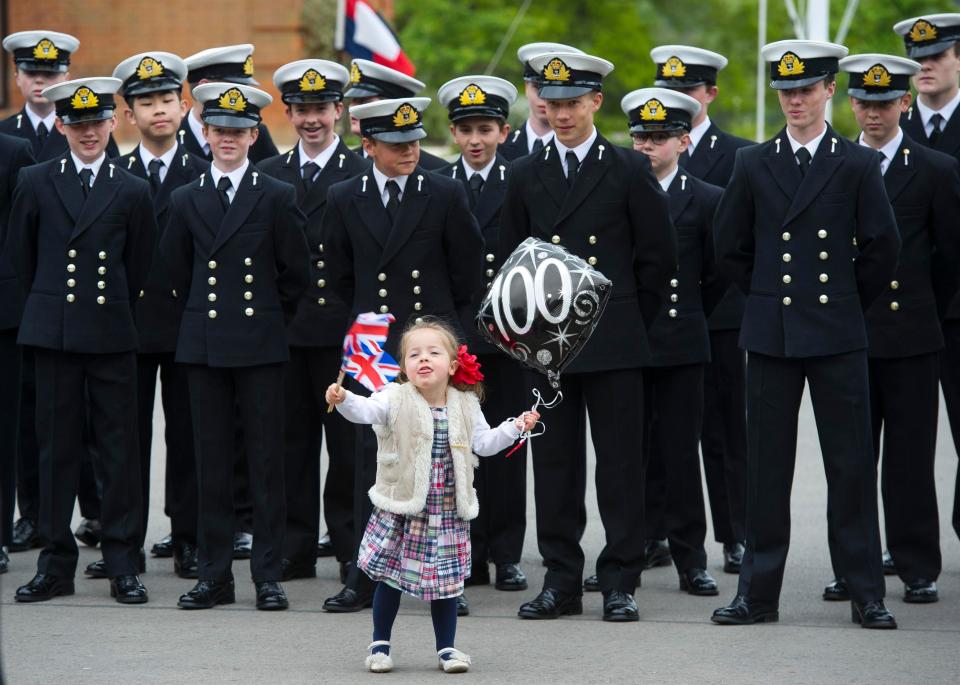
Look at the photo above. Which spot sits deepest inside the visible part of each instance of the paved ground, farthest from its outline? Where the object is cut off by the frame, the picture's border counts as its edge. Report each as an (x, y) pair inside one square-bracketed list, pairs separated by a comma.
[(88, 638)]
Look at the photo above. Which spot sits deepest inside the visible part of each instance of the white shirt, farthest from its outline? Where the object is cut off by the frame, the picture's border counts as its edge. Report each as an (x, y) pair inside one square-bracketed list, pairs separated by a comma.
[(382, 179), (235, 176), (697, 133), (167, 158), (668, 179), (532, 136), (93, 166), (197, 127), (484, 172), (49, 121), (321, 159), (926, 114), (580, 150), (889, 150), (811, 146)]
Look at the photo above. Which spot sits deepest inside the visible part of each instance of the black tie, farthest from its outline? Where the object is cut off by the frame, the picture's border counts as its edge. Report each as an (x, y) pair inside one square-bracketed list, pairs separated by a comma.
[(309, 170), (537, 146), (937, 121), (476, 185), (393, 202), (883, 158), (803, 159), (223, 185), (153, 173), (573, 165), (42, 133), (86, 175)]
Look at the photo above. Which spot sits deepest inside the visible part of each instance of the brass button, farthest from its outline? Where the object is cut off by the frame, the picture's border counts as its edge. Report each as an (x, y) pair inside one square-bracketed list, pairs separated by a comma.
[(321, 301), (787, 301), (672, 313), (321, 264), (418, 320), (787, 278), (212, 264), (490, 273), (382, 292), (248, 278), (824, 299), (71, 297), (787, 257), (321, 283), (101, 299), (380, 277), (786, 235), (824, 278), (247, 261), (212, 280), (674, 282), (248, 311), (71, 282), (823, 256), (417, 289), (821, 234), (555, 240), (212, 313), (894, 285), (71, 267), (71, 253), (895, 306), (674, 297), (384, 309), (592, 261), (592, 240), (417, 306), (490, 257), (248, 295), (414, 274), (102, 255), (102, 270), (212, 297), (101, 285)]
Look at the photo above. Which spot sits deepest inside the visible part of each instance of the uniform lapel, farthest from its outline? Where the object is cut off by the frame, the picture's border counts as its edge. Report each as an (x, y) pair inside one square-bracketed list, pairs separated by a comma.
[(177, 175), (245, 199), (416, 196), (551, 174), (950, 136), (706, 155), (912, 125), (371, 209), (826, 161), (105, 187), (55, 141), (680, 192), (334, 171), (25, 130), (592, 169), (782, 164), (491, 197), (67, 184), (206, 203), (290, 172), (187, 139), (134, 163), (900, 170)]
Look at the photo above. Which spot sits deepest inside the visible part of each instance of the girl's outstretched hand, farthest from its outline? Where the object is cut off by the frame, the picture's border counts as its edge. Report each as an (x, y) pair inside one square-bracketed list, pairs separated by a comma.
[(335, 394), (529, 420)]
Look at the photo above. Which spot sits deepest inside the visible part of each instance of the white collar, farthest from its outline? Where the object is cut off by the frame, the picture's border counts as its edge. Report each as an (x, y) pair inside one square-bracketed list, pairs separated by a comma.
[(532, 136), (49, 121), (580, 150), (167, 157), (697, 133), (484, 172), (811, 146), (890, 149), (197, 127), (668, 179), (324, 156), (94, 166), (946, 111), (235, 176), (382, 179)]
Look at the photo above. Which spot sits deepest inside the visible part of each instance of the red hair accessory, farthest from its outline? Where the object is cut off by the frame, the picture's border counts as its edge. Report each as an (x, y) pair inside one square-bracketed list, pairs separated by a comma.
[(468, 368)]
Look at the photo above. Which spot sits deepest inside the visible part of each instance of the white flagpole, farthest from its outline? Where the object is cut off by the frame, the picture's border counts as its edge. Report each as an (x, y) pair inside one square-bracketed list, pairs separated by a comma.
[(818, 28), (761, 101)]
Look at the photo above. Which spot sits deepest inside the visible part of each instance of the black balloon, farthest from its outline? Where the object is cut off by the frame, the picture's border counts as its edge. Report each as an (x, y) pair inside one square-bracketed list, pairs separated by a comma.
[(543, 306)]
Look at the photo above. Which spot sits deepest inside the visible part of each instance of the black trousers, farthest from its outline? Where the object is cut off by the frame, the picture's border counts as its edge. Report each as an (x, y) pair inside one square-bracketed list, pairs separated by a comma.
[(501, 483), (364, 476), (180, 482), (723, 439), (109, 383), (9, 418), (950, 384), (216, 394), (306, 377), (673, 403), (839, 390)]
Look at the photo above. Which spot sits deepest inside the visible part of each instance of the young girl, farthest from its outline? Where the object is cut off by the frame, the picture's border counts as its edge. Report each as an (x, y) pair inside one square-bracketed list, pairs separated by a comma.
[(428, 426)]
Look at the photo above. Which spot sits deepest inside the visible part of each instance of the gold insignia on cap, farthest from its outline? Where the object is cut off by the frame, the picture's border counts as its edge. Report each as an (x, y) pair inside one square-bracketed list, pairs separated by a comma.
[(674, 68), (311, 81), (876, 76), (233, 99), (405, 116), (472, 95), (45, 49), (149, 68), (248, 65), (355, 73), (923, 31), (653, 110), (556, 70), (84, 98), (790, 65)]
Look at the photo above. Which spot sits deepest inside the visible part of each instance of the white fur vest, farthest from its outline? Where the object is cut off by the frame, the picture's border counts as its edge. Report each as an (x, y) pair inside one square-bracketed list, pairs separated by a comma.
[(404, 446)]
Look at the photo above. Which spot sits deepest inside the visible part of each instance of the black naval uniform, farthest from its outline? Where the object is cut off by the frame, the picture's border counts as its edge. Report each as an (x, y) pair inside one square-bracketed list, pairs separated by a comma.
[(616, 216), (947, 142), (242, 271), (82, 261), (55, 144), (15, 154), (316, 350), (159, 309), (428, 262), (812, 252), (903, 329), (263, 149), (673, 383), (501, 483), (516, 145)]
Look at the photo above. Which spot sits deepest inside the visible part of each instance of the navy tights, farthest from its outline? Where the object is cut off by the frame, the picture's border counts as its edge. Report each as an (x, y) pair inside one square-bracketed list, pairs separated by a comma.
[(386, 604)]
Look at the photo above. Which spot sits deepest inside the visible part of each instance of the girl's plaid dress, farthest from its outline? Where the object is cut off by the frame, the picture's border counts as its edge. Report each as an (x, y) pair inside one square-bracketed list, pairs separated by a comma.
[(426, 555)]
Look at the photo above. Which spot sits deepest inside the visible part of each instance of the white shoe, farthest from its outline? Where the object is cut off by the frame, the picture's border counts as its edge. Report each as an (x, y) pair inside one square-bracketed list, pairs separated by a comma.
[(379, 662), (458, 662)]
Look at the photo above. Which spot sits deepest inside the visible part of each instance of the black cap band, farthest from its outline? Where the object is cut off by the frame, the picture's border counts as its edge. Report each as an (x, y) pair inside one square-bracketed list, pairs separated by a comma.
[(529, 73), (404, 125), (374, 87), (32, 58), (135, 86), (925, 39), (232, 72), (652, 116), (672, 74), (232, 110), (85, 105), (492, 106), (292, 92), (792, 71), (559, 81), (878, 84)]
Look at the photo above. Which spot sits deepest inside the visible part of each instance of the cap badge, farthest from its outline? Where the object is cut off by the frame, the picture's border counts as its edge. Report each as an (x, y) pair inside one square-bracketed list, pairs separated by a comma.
[(405, 115), (653, 110), (790, 65), (674, 68), (877, 77), (472, 95), (923, 31), (556, 70), (312, 81), (45, 49), (149, 68), (248, 65), (233, 99), (84, 98), (355, 74)]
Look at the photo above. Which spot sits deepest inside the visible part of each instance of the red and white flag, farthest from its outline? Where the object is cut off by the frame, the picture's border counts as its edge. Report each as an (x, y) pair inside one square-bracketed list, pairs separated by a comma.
[(364, 34)]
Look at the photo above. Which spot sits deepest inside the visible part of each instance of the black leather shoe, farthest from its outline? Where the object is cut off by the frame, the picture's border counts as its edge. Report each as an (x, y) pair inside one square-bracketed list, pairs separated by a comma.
[(742, 611), (656, 553), (889, 568), (98, 568), (43, 587), (293, 570), (696, 581), (619, 607), (551, 603), (733, 557), (510, 577), (836, 591), (207, 594), (591, 584), (128, 590), (463, 606), (185, 560), (479, 575), (872, 615), (88, 532), (4, 560), (25, 536), (242, 545), (271, 597), (347, 601), (324, 546), (920, 592), (163, 548)]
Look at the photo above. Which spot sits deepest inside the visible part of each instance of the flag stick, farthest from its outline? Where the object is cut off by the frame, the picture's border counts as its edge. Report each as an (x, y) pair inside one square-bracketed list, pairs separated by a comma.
[(339, 383)]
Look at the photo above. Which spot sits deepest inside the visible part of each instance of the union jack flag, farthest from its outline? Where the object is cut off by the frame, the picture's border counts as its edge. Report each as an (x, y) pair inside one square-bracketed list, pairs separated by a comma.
[(363, 355)]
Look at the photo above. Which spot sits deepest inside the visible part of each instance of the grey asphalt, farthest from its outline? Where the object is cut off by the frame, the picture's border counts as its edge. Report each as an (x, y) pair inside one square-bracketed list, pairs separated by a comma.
[(87, 638)]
